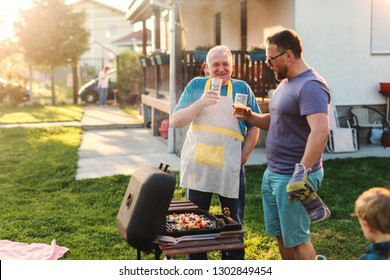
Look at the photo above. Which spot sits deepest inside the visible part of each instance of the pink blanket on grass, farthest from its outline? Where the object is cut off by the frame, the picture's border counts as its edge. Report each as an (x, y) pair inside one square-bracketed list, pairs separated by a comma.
[(36, 251)]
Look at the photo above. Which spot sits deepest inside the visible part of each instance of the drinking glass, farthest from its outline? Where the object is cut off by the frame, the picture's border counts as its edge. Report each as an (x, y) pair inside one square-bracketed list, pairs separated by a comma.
[(240, 102), (216, 84)]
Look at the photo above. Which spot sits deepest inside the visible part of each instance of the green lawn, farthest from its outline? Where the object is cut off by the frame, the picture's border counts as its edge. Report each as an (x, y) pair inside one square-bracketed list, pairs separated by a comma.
[(47, 113), (34, 114), (42, 201)]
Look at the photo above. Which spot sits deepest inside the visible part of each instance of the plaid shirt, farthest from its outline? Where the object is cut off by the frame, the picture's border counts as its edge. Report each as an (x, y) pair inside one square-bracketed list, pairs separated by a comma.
[(377, 251)]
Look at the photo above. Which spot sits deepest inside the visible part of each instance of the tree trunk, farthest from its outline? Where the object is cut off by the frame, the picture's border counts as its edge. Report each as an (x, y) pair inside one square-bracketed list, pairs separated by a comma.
[(75, 81), (30, 77), (53, 90)]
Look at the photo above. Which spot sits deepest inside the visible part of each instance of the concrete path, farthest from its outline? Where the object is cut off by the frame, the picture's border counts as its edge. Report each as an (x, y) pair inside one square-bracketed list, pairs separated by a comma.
[(110, 117), (114, 143), (120, 151), (117, 150)]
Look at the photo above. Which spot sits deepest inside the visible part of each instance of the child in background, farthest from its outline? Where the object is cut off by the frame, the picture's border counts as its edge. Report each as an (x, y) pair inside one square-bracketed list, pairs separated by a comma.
[(373, 211)]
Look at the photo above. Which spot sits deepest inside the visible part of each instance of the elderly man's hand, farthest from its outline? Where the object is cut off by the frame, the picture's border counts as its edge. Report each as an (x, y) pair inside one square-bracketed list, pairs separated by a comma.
[(210, 97)]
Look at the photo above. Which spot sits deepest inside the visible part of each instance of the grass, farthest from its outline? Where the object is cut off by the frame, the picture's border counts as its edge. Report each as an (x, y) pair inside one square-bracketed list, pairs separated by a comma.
[(48, 113), (34, 114), (42, 201)]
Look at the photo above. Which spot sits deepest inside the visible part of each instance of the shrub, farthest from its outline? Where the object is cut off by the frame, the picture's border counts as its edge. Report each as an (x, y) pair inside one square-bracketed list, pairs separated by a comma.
[(128, 69)]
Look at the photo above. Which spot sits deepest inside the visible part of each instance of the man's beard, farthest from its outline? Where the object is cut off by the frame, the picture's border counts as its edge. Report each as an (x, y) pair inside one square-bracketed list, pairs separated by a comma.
[(281, 74)]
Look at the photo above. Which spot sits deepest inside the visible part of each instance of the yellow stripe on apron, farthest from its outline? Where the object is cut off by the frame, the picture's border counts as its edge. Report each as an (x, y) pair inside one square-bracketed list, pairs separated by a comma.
[(219, 130)]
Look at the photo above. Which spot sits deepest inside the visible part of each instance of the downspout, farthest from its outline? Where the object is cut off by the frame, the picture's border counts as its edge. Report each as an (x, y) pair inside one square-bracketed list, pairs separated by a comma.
[(172, 92), (172, 63)]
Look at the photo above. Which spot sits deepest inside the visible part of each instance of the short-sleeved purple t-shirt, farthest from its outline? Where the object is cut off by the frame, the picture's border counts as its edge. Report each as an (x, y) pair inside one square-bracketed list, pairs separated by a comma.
[(305, 94)]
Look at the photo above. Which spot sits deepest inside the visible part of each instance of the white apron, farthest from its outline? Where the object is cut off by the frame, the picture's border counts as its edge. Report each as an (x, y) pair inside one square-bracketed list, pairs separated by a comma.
[(210, 160)]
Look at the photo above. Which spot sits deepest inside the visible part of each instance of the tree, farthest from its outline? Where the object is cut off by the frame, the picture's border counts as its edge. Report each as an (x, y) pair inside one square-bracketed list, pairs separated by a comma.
[(51, 35), (12, 66), (76, 45)]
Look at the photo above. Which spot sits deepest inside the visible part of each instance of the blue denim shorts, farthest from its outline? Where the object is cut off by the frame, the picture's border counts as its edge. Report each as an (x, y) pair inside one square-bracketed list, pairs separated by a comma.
[(283, 218)]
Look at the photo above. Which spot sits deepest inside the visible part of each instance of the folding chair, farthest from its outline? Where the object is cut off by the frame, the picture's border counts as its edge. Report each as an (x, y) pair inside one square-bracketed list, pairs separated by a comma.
[(341, 139), (368, 117)]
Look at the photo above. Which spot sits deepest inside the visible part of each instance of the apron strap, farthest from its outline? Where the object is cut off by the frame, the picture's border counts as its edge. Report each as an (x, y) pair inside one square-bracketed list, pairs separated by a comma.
[(219, 130), (229, 89)]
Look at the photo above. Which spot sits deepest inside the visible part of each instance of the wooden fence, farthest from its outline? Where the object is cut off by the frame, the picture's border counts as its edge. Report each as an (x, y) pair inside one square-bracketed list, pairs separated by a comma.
[(259, 77)]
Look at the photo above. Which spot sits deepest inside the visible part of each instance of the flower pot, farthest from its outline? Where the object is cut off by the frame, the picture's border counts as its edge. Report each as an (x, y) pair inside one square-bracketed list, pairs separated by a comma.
[(200, 56), (153, 61), (257, 55), (144, 61), (162, 58)]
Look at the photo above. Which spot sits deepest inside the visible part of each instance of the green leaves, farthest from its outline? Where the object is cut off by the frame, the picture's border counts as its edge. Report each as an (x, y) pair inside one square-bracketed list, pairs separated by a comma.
[(51, 35)]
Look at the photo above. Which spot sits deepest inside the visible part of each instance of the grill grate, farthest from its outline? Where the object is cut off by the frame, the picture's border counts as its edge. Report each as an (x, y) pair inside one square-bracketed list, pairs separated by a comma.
[(216, 224), (169, 227)]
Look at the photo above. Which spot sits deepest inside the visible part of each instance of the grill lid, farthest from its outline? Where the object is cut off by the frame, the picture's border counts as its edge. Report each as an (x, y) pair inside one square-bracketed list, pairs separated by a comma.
[(144, 205)]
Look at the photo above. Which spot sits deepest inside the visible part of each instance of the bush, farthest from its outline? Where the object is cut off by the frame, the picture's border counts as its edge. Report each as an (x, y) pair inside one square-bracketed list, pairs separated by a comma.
[(128, 69)]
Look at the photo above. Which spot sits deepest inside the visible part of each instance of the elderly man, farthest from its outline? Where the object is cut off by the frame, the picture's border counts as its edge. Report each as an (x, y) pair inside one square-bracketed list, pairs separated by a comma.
[(217, 144)]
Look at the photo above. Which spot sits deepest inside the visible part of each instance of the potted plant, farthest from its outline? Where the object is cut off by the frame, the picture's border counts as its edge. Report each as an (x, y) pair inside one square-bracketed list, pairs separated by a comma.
[(200, 52), (257, 53), (144, 61), (160, 57)]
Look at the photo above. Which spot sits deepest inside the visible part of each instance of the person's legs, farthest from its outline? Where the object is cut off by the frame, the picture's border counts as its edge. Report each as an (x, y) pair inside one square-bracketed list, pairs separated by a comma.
[(287, 221), (271, 212), (200, 199), (203, 201), (303, 251), (101, 95), (237, 209), (105, 90), (286, 253), (295, 221)]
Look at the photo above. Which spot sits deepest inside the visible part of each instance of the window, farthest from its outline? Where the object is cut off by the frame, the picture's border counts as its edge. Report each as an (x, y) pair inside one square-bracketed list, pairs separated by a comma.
[(112, 30), (380, 26)]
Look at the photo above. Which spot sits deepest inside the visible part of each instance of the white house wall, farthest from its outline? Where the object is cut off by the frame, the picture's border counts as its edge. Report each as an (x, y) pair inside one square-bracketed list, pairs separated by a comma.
[(265, 17), (198, 22), (230, 23), (336, 37), (98, 20)]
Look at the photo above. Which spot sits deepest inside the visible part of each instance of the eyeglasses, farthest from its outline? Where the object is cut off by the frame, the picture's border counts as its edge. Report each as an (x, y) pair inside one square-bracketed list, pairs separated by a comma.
[(268, 60)]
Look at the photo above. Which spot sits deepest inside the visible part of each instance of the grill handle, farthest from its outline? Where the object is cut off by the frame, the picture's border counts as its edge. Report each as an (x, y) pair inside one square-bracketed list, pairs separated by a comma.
[(129, 200), (226, 214), (162, 165)]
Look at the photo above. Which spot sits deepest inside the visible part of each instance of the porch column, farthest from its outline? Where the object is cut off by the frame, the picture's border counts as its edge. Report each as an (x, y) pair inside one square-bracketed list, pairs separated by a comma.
[(157, 39), (178, 71), (244, 24), (144, 36)]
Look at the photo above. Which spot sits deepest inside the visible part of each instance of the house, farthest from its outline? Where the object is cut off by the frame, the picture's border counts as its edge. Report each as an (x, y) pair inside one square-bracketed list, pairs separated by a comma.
[(346, 41), (105, 24), (134, 41)]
